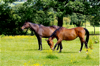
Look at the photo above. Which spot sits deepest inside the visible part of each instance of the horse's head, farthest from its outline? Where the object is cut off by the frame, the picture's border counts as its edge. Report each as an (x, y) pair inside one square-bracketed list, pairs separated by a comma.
[(50, 43), (26, 25)]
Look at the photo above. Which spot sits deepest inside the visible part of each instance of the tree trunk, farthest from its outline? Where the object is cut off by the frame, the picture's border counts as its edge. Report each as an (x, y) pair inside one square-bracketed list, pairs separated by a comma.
[(60, 21)]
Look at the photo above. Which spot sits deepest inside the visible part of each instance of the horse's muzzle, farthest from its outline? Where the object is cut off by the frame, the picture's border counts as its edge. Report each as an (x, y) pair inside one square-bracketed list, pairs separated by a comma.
[(22, 28)]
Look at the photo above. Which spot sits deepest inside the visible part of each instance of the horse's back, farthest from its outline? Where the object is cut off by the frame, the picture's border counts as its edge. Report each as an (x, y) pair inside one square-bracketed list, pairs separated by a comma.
[(46, 31), (69, 34)]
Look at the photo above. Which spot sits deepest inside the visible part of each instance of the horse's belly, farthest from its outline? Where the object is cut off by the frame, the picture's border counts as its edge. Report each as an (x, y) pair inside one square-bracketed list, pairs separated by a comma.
[(70, 37)]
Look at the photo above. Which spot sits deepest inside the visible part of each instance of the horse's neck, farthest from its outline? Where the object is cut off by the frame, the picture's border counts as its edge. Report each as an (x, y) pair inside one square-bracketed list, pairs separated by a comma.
[(34, 27)]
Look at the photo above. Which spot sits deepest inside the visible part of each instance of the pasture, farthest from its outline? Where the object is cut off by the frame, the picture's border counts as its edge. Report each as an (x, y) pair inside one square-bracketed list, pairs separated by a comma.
[(23, 51)]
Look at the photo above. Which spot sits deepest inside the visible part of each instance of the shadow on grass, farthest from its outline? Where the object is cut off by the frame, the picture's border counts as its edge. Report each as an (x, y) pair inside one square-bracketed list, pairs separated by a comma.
[(35, 50), (68, 52)]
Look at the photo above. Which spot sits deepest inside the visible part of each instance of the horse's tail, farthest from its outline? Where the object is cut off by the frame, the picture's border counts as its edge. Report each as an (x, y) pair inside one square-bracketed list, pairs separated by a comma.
[(87, 33)]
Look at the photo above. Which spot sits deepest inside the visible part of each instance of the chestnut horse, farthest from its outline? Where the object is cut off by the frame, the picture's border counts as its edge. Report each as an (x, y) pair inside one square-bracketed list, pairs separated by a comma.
[(68, 34), (40, 31)]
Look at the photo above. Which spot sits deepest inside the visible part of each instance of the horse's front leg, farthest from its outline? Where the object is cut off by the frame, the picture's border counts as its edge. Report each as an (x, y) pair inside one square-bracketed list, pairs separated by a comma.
[(39, 42), (60, 47), (57, 44)]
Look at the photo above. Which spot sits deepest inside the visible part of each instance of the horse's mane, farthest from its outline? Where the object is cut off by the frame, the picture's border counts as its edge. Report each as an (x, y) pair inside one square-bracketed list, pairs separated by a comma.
[(53, 34), (36, 24), (54, 26)]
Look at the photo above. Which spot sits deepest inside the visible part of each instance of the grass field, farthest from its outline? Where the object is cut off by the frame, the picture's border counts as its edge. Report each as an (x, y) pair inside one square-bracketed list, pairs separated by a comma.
[(22, 51)]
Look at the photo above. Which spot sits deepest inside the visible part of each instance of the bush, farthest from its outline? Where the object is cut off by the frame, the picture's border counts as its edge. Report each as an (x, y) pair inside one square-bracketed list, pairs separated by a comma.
[(11, 19)]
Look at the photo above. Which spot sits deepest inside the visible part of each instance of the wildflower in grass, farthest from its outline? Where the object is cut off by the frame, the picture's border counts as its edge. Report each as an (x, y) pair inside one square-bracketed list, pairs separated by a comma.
[(96, 39), (37, 64), (91, 42), (73, 59), (11, 37), (88, 56), (25, 64), (88, 53), (89, 50), (50, 55), (44, 62), (48, 51)]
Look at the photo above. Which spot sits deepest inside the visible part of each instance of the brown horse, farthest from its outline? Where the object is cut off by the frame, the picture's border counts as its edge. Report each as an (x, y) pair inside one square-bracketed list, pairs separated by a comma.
[(40, 31), (68, 34)]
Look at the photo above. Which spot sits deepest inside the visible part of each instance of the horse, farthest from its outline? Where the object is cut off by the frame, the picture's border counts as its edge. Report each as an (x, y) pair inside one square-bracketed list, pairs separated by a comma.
[(40, 31), (63, 33)]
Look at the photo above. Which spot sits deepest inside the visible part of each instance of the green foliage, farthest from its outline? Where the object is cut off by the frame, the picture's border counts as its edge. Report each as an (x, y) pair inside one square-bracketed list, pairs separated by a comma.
[(76, 6), (43, 12), (44, 17), (95, 20), (12, 19), (26, 12), (2, 35), (93, 40), (77, 19), (7, 20)]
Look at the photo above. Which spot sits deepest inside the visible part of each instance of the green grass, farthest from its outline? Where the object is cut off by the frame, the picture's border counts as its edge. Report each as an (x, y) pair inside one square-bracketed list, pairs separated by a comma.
[(91, 30), (22, 51)]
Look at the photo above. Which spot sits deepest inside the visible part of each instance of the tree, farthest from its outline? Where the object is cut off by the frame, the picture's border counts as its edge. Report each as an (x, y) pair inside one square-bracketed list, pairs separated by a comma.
[(77, 19), (36, 13), (60, 9), (78, 9), (94, 14), (8, 20)]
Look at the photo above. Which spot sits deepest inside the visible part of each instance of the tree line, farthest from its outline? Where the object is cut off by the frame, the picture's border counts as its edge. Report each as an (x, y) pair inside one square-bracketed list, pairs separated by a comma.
[(45, 11)]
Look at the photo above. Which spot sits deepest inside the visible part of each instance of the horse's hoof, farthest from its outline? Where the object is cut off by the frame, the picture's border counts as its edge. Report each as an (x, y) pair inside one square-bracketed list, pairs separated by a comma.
[(56, 49), (59, 52), (79, 51), (53, 49), (86, 52)]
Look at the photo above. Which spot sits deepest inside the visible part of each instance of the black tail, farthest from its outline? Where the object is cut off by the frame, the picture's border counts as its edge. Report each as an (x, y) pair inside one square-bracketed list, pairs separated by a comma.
[(87, 33)]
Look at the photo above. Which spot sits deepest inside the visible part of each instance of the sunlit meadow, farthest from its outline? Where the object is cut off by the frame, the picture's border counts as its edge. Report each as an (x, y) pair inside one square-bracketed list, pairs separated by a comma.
[(23, 51)]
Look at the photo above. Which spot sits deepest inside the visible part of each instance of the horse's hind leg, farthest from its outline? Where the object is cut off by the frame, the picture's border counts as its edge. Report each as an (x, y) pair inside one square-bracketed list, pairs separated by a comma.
[(81, 46), (83, 41), (86, 45)]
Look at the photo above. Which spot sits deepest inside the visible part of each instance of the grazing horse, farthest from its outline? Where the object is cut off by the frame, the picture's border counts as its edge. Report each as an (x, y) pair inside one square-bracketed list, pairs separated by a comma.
[(68, 34), (40, 31)]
